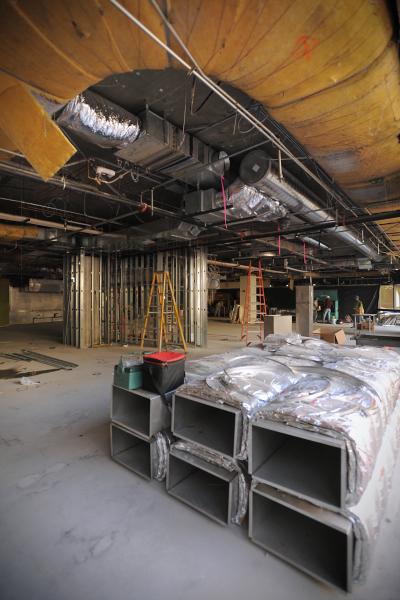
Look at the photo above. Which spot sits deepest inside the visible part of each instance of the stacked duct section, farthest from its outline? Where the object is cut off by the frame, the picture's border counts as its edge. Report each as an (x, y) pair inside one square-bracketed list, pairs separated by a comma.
[(140, 429), (205, 470), (316, 426)]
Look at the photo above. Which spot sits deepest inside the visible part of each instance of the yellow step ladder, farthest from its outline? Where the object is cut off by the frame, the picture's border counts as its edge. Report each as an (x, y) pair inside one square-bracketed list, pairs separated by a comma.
[(161, 286)]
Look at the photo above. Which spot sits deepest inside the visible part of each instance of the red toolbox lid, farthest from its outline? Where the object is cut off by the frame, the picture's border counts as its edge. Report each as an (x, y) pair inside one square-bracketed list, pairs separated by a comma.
[(163, 357)]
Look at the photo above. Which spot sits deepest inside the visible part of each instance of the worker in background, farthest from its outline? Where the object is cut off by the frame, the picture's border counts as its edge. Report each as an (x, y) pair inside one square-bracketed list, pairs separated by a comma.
[(328, 305), (219, 309), (358, 309), (316, 309)]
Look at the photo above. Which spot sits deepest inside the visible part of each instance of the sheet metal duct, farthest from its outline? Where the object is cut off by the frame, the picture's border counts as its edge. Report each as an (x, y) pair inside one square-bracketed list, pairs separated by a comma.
[(363, 264), (256, 170), (320, 84), (99, 121), (164, 229), (246, 201), (164, 148)]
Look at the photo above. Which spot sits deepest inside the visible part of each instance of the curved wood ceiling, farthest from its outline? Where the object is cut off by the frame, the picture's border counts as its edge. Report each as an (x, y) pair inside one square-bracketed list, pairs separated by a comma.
[(328, 70)]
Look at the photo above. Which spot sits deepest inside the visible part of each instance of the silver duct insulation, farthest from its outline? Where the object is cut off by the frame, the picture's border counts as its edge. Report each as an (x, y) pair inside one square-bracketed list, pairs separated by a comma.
[(256, 169), (167, 228), (246, 201), (100, 121), (250, 202)]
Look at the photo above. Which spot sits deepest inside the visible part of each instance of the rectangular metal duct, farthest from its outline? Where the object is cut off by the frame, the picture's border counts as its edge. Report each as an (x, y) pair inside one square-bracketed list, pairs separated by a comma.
[(301, 462), (162, 147), (202, 201), (217, 427), (315, 540), (208, 488), (131, 451), (141, 412), (160, 144)]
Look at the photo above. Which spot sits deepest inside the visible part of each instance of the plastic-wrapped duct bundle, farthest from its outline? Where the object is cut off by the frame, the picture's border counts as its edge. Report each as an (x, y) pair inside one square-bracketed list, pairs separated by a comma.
[(159, 453), (347, 393), (242, 495), (246, 380), (367, 514)]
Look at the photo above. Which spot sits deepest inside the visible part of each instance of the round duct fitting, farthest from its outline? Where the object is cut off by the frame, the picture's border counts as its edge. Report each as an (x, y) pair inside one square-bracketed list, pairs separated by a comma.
[(254, 166)]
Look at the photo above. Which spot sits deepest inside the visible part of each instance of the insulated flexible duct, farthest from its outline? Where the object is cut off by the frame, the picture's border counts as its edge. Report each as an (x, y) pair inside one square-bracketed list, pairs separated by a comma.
[(256, 170), (100, 121)]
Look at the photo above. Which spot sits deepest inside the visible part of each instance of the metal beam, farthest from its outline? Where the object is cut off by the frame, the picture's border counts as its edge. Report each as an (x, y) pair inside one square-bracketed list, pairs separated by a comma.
[(311, 228)]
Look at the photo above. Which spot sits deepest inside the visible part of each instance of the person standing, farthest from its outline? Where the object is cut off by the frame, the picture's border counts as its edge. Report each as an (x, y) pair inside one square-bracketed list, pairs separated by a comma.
[(316, 308), (328, 305), (358, 309)]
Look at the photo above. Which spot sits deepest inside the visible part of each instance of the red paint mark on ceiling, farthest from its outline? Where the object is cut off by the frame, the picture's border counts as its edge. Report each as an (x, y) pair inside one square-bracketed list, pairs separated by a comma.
[(305, 46)]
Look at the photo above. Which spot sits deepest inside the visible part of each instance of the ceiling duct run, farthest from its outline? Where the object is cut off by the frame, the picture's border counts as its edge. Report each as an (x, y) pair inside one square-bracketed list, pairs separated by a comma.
[(147, 140), (164, 148), (256, 170), (247, 202)]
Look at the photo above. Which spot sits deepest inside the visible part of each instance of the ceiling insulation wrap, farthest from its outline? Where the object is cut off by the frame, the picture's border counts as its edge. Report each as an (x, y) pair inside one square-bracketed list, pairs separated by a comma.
[(328, 69)]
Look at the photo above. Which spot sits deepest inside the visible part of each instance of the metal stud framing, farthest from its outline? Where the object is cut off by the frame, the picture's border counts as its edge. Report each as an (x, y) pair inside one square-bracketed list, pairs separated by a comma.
[(105, 296)]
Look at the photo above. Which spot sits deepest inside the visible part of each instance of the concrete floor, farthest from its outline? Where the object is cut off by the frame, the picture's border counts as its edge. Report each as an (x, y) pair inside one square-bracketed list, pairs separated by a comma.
[(75, 525)]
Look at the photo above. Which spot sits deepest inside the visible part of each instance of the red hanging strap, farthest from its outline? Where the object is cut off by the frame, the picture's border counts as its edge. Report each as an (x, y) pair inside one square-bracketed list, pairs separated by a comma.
[(279, 241), (224, 198), (304, 253)]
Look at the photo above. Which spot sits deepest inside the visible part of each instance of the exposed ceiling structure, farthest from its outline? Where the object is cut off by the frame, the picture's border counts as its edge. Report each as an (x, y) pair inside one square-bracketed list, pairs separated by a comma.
[(289, 151)]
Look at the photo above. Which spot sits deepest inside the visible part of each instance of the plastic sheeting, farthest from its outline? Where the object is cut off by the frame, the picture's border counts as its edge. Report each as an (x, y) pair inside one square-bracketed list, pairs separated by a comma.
[(100, 121), (242, 495), (347, 393), (159, 454), (366, 516)]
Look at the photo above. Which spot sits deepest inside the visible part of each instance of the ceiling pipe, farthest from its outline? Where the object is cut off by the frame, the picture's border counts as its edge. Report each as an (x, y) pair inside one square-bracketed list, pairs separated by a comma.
[(316, 243), (77, 186), (256, 169), (44, 223), (16, 233), (237, 266)]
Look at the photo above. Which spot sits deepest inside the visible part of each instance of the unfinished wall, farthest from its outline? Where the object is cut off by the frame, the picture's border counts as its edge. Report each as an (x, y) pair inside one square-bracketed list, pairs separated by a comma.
[(106, 297), (4, 302), (32, 307)]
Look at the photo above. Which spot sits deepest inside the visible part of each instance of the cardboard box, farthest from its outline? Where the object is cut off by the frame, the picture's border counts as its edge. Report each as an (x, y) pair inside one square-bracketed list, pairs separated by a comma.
[(368, 325), (333, 336), (281, 324)]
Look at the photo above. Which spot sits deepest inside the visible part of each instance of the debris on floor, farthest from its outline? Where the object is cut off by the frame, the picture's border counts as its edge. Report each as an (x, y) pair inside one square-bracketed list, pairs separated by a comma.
[(28, 381)]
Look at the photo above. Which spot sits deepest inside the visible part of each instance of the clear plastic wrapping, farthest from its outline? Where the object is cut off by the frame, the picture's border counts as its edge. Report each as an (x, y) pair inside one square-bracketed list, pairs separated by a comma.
[(159, 453), (100, 121), (242, 495), (361, 389), (343, 392), (366, 516), (130, 360), (244, 379)]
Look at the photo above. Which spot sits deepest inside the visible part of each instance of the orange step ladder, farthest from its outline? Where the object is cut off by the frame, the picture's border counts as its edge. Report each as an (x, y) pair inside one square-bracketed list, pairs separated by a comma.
[(253, 330)]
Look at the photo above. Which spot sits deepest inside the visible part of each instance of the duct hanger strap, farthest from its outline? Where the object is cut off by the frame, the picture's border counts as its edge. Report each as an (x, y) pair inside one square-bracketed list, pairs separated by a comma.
[(224, 198)]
